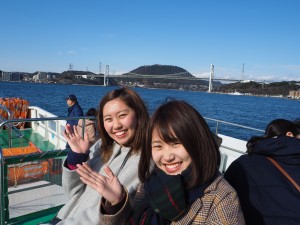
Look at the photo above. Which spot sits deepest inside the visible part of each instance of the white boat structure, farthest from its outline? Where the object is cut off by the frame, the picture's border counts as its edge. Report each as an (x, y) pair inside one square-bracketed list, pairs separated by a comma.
[(235, 93), (37, 195)]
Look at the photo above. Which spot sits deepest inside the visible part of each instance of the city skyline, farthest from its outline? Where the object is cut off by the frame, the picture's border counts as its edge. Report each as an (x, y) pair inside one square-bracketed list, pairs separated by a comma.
[(256, 40)]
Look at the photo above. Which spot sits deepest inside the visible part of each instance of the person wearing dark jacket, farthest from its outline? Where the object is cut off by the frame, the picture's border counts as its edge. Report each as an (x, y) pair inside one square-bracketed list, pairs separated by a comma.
[(73, 110), (267, 196)]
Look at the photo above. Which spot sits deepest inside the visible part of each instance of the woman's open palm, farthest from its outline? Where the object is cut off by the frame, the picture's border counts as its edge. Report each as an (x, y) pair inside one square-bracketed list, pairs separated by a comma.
[(75, 140), (107, 186)]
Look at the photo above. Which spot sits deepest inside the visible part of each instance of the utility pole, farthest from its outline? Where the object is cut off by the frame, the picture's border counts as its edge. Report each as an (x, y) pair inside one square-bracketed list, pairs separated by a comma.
[(211, 77)]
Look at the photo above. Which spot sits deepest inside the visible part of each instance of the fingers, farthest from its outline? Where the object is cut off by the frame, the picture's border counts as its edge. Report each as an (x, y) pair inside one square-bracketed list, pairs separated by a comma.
[(66, 135), (86, 136), (109, 172), (75, 130), (68, 129), (85, 171), (68, 132)]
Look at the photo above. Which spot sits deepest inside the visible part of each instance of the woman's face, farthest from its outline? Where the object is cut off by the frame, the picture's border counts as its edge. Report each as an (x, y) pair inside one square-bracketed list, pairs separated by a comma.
[(119, 121), (171, 158)]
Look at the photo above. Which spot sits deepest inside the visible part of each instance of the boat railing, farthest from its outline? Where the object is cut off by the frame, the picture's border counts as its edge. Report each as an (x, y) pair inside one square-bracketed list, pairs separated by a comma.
[(10, 126), (35, 194), (49, 186), (220, 122), (51, 126), (234, 139)]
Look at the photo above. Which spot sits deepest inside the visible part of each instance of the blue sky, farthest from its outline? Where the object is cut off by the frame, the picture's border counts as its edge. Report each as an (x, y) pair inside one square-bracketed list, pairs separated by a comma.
[(48, 35)]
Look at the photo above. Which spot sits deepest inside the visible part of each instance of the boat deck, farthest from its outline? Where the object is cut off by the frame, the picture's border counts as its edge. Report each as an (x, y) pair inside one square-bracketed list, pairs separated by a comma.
[(28, 136), (23, 200)]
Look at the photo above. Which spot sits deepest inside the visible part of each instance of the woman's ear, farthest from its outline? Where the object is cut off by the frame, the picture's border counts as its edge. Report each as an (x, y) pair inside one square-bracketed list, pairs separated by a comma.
[(289, 134)]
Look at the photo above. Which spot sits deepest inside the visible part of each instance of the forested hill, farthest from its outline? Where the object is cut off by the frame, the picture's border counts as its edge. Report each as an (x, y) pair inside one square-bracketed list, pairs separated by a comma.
[(160, 70), (276, 88)]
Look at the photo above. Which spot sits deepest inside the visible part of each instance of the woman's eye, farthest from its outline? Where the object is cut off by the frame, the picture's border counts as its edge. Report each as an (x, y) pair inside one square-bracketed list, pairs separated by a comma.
[(175, 143), (107, 120), (156, 146), (122, 115)]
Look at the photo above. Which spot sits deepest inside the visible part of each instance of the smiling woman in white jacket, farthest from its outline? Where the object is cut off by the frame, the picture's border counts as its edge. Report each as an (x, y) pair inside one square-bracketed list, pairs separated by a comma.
[(123, 118)]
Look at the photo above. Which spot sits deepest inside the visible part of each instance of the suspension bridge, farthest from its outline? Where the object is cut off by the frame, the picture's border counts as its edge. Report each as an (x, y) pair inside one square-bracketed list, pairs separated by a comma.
[(175, 76)]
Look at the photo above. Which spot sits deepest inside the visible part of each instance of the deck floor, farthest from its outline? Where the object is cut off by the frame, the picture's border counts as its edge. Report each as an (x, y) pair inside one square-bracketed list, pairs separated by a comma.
[(28, 136), (33, 197)]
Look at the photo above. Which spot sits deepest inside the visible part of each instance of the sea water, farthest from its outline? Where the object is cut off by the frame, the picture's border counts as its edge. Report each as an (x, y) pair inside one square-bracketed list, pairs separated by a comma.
[(252, 111)]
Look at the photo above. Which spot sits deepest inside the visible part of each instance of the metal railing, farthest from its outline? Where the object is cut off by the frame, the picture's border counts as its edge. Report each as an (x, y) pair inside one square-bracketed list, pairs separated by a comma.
[(12, 160), (5, 162), (218, 122), (10, 126)]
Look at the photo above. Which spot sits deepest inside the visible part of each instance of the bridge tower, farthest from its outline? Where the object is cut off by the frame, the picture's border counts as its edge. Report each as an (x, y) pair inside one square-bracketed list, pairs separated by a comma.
[(211, 77), (243, 72), (105, 75)]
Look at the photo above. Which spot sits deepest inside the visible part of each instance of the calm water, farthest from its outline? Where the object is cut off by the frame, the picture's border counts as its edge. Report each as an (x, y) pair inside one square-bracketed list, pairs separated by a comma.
[(250, 111)]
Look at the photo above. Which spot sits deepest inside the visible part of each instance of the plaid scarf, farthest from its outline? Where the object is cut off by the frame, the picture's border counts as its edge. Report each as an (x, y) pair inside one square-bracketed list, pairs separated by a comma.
[(166, 198)]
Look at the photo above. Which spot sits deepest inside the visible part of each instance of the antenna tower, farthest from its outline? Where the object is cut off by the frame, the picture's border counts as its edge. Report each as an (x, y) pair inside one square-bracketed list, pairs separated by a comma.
[(100, 68), (70, 66)]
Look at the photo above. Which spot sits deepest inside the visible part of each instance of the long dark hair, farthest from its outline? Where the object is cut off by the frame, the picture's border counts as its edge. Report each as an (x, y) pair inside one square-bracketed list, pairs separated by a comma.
[(177, 120), (134, 101), (275, 128)]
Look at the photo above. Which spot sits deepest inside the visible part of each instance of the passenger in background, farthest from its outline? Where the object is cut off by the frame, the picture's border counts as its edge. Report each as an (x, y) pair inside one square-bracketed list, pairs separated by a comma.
[(267, 195), (89, 126), (73, 110), (185, 186), (122, 121)]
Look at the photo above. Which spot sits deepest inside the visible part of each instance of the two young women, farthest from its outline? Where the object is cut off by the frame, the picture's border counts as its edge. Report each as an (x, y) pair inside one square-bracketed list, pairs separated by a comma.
[(178, 170), (122, 119)]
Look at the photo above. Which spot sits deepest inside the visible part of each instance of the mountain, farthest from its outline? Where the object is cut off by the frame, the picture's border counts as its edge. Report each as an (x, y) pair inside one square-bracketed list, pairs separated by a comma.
[(158, 69), (76, 72), (144, 76)]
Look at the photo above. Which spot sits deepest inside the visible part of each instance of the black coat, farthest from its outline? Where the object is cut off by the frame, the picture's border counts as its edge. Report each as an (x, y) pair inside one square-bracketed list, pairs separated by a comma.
[(266, 195)]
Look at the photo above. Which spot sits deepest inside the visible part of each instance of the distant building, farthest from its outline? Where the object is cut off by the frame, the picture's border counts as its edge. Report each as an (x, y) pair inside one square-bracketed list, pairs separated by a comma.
[(294, 94), (51, 76), (40, 76), (9, 76), (6, 76)]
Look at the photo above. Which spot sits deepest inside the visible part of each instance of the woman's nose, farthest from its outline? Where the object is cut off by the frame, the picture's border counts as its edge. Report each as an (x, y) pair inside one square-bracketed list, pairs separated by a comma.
[(168, 155), (117, 124)]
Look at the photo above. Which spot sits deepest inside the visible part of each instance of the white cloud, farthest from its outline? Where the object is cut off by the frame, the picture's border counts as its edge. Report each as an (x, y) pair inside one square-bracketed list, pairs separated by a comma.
[(71, 52)]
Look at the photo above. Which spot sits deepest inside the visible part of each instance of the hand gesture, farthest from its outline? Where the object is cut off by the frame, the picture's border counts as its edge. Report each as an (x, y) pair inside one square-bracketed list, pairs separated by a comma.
[(108, 186), (75, 141)]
